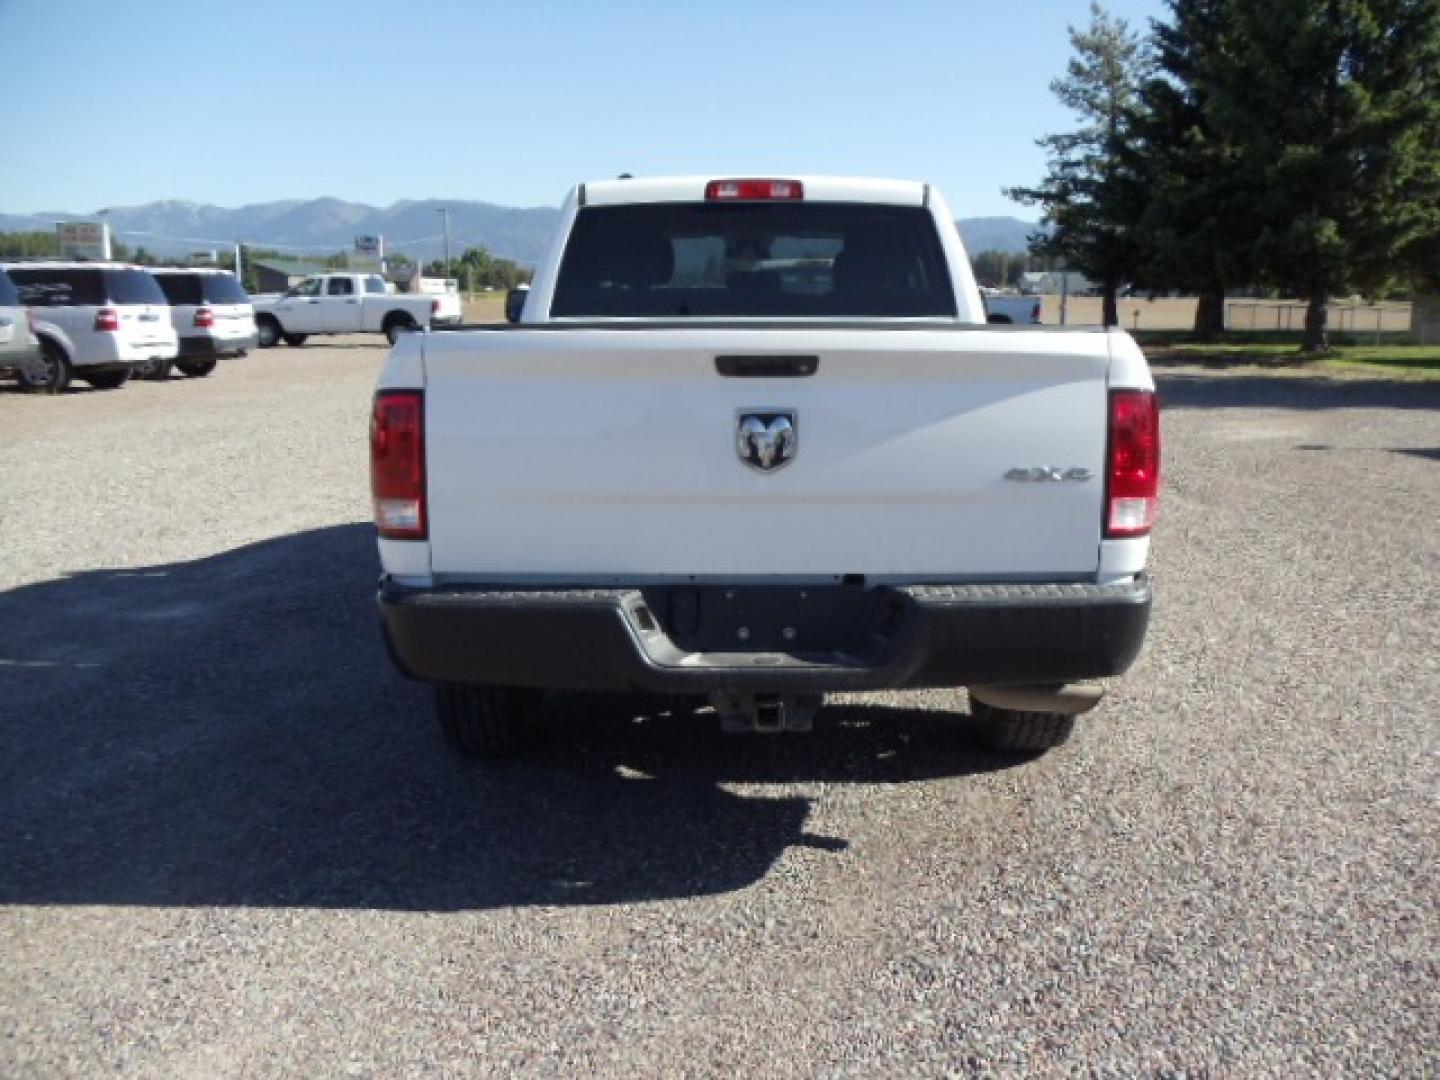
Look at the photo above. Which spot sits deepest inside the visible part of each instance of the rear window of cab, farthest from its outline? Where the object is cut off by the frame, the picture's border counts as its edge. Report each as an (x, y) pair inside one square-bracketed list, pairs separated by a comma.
[(51, 287), (181, 289), (223, 289), (195, 289), (43, 286), (753, 259), (133, 287)]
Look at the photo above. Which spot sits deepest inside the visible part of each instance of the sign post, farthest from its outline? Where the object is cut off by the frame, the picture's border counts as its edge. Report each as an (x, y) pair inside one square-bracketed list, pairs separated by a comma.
[(368, 255), (84, 239)]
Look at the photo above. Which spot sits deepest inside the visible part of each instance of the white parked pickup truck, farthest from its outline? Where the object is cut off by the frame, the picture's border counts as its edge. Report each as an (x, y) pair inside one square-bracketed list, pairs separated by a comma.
[(753, 439), (1010, 307), (347, 304)]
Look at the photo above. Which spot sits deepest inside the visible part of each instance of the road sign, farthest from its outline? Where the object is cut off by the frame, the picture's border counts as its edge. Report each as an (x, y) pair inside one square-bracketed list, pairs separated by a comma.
[(84, 239)]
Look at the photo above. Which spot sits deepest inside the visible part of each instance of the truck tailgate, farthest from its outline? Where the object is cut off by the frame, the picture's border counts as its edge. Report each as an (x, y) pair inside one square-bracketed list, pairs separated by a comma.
[(581, 453)]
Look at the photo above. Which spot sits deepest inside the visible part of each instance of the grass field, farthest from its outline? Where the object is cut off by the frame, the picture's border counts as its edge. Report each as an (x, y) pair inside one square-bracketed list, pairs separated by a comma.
[(484, 307), (1391, 361)]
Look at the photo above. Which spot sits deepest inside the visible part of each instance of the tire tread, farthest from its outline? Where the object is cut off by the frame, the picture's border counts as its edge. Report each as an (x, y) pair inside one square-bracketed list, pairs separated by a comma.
[(489, 722), (1021, 732), (196, 369), (64, 373)]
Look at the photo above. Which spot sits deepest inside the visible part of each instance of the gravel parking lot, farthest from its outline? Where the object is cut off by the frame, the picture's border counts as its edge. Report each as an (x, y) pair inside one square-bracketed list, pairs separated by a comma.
[(234, 843)]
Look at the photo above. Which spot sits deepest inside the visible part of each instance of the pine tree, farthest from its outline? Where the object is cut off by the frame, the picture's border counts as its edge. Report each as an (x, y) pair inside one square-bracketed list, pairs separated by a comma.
[(1199, 225), (1331, 108), (1092, 194)]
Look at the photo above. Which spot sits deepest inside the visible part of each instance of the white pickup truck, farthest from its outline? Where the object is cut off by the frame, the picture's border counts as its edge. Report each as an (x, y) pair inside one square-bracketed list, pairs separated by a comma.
[(753, 439), (347, 304), (1010, 307)]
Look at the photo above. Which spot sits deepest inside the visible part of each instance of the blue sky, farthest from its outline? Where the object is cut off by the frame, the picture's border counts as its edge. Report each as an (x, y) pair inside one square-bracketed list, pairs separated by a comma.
[(116, 103)]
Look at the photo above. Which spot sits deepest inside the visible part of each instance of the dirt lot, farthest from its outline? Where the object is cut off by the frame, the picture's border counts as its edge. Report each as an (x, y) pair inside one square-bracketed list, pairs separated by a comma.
[(234, 843)]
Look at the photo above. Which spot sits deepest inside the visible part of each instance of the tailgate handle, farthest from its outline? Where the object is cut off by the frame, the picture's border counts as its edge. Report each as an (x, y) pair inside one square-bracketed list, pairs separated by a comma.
[(767, 367)]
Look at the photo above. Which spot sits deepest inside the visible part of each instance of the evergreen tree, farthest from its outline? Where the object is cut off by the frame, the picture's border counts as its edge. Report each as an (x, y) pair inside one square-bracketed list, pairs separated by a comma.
[(1199, 225), (1092, 194), (1422, 255), (1331, 108)]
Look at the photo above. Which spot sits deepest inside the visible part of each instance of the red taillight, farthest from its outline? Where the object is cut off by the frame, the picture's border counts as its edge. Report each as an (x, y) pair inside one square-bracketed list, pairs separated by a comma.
[(1133, 483), (397, 464), (107, 318), (754, 189), (204, 317), (434, 307)]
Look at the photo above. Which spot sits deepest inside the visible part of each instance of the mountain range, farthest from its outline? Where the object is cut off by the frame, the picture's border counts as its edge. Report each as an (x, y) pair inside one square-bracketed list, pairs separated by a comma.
[(414, 227)]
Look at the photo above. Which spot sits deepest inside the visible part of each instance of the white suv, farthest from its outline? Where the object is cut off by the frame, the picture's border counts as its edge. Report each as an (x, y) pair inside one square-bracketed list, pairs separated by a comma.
[(95, 321), (19, 350), (211, 312)]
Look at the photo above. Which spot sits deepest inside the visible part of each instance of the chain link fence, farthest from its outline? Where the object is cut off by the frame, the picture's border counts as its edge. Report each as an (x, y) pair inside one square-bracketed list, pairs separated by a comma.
[(1289, 315)]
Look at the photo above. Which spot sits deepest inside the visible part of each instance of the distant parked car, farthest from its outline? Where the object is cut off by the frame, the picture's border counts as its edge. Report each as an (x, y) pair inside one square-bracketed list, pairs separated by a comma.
[(1010, 308), (211, 313), (95, 321), (19, 347), (343, 303)]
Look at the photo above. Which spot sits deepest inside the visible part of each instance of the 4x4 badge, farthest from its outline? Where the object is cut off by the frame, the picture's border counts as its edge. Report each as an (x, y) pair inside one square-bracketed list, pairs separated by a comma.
[(766, 439)]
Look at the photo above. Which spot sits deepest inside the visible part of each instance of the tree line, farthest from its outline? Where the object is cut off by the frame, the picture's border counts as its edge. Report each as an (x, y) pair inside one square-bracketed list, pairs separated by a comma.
[(476, 268), (1003, 269), (1246, 143)]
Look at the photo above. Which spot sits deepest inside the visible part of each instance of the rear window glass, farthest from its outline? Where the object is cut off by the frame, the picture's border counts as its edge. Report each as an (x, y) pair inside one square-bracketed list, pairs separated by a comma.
[(180, 289), (224, 289), (793, 259), (8, 296), (47, 287), (133, 287)]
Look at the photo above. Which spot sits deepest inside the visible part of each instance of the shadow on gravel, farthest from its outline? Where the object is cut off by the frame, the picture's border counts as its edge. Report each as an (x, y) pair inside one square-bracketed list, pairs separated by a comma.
[(1430, 453), (1196, 391), (229, 732), (376, 343)]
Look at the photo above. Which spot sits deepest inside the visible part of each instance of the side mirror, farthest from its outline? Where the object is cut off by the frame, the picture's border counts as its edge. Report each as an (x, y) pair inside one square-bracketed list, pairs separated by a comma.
[(999, 317), (515, 302)]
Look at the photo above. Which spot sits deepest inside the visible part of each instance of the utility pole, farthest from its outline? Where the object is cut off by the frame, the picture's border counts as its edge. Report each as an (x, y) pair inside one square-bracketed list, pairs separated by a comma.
[(445, 211), (239, 270)]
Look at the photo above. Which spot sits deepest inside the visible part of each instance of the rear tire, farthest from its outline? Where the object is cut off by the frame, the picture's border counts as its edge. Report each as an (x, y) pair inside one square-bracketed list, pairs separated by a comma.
[(395, 325), (156, 370), (196, 369), (295, 340), (488, 722), (267, 332), (52, 375), (1019, 732), (108, 380)]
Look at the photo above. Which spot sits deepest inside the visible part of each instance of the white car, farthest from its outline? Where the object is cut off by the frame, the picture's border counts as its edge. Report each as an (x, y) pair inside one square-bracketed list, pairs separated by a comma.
[(19, 348), (348, 304), (211, 313), (95, 321), (1001, 307), (754, 439)]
